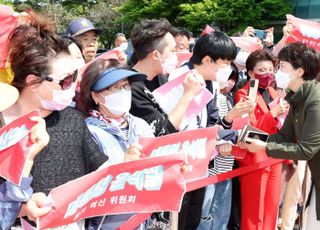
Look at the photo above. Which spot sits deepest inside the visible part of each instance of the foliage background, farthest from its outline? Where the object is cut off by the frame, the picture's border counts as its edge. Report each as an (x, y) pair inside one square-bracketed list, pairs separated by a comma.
[(120, 15)]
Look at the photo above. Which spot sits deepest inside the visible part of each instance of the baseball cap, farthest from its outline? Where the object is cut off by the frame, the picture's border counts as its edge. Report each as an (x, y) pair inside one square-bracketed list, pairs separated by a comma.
[(8, 95), (113, 75), (80, 26)]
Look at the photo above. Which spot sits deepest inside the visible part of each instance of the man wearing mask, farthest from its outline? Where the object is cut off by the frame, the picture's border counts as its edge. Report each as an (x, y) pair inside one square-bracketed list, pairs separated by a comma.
[(154, 48), (120, 41), (85, 32), (212, 57)]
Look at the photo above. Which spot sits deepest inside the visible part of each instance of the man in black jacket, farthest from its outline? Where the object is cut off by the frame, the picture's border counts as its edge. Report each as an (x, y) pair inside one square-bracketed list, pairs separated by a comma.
[(154, 48)]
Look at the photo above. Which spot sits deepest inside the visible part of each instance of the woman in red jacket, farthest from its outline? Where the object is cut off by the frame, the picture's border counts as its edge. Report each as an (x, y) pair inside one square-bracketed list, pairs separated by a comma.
[(260, 190)]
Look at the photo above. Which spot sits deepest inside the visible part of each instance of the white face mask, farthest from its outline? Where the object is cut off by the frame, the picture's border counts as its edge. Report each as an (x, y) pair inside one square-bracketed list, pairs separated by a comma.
[(282, 79), (242, 57), (61, 99), (169, 64), (222, 76), (118, 103), (124, 46)]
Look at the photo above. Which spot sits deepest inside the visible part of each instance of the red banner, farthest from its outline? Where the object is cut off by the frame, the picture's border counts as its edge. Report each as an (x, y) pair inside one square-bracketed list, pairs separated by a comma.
[(128, 187), (8, 21), (199, 145), (248, 44), (135, 220), (207, 29), (15, 146), (305, 31)]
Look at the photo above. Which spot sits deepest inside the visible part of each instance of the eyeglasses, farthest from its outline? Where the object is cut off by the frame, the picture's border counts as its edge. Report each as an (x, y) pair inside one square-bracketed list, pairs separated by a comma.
[(118, 88), (66, 82)]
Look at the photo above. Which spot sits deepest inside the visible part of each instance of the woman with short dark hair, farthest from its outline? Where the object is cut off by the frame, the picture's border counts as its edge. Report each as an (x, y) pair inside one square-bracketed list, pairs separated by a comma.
[(260, 190), (299, 137)]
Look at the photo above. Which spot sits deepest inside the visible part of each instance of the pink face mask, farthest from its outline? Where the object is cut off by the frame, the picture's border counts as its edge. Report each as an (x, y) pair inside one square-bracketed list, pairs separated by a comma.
[(61, 99), (264, 79)]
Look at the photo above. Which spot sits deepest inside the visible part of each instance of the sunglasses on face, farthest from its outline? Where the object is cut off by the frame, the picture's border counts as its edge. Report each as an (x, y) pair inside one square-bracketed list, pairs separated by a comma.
[(66, 82)]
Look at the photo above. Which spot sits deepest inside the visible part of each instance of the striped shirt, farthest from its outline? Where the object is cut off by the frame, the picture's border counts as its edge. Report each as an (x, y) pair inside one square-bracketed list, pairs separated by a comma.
[(222, 164)]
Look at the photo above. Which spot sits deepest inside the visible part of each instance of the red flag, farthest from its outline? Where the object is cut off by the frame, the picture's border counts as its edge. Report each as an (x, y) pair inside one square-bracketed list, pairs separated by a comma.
[(305, 31), (248, 44), (207, 30), (15, 146), (141, 186)]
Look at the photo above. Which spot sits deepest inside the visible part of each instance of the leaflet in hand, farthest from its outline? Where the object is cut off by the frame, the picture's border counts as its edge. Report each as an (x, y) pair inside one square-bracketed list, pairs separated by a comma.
[(169, 95)]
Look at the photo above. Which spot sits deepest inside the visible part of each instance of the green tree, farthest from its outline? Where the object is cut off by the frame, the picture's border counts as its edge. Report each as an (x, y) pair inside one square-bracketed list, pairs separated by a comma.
[(232, 16), (229, 15), (102, 13)]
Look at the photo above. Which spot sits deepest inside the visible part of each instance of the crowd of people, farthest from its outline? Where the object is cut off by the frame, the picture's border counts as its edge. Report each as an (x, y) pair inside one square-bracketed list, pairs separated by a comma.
[(99, 125)]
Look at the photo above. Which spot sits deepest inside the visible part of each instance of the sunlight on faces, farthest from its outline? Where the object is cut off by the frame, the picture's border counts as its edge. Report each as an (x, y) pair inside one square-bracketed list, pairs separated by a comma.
[(76, 54), (116, 87), (61, 67), (168, 45), (89, 42), (182, 43), (285, 67), (119, 41), (212, 67), (294, 74), (262, 67), (98, 97)]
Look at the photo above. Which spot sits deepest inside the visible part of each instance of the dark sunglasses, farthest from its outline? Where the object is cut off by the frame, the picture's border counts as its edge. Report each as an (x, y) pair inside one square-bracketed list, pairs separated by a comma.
[(66, 82)]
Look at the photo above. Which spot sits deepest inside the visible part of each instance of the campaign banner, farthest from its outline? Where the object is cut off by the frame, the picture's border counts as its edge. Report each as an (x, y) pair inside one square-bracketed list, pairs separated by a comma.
[(111, 54), (140, 186), (15, 146), (305, 31), (198, 144), (8, 21), (207, 29), (169, 94), (248, 44)]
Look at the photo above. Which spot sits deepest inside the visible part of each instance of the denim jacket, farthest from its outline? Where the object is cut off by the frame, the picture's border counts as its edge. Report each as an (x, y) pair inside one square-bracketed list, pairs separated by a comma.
[(112, 142), (11, 197)]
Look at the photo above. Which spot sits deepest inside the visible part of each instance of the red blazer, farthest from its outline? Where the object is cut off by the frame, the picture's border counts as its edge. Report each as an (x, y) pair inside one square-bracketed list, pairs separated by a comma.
[(261, 118)]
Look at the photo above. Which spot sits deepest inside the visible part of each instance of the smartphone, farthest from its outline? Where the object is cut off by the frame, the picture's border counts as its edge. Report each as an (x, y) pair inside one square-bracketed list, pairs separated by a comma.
[(253, 89), (256, 135), (260, 34)]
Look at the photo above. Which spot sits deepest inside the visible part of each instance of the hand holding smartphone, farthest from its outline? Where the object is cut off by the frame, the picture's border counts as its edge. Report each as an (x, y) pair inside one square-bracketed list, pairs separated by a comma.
[(253, 89)]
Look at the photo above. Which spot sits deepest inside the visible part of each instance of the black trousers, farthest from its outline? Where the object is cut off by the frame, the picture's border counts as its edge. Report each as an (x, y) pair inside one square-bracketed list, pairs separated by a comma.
[(190, 213)]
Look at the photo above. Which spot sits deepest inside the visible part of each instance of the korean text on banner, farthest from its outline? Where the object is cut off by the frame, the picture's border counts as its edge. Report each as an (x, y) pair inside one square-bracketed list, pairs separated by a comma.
[(305, 31), (15, 146), (199, 145), (129, 187)]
